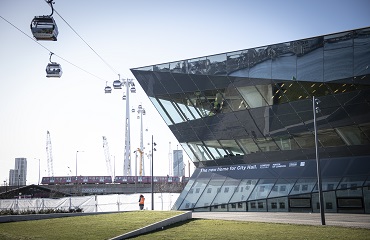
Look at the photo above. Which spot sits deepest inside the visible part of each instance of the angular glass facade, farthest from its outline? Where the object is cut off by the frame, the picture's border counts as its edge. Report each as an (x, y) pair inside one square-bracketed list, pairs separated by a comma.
[(245, 119)]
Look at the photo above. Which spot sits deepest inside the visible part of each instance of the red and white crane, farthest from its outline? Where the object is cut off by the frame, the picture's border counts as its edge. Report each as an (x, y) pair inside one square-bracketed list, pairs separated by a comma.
[(107, 156)]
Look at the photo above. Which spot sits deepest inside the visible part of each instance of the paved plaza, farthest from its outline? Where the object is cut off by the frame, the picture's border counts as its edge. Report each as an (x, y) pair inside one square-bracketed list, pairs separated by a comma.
[(331, 219)]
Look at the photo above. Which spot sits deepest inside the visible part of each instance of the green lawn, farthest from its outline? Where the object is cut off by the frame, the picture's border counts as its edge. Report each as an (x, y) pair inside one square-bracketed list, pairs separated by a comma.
[(103, 226), (106, 226), (233, 230)]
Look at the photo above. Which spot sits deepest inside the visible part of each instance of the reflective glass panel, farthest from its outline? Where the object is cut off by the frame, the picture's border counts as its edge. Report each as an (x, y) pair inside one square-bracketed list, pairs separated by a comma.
[(286, 142), (245, 188), (237, 60), (161, 111), (260, 63), (227, 190), (165, 67), (304, 185), (329, 184), (329, 138), (262, 189), (189, 152), (194, 193), (362, 52), (266, 144), (199, 151), (211, 191), (231, 147), (352, 135), (248, 145), (215, 149), (284, 61), (217, 64), (310, 63), (234, 99), (198, 65), (305, 140), (338, 56), (179, 67), (171, 109), (282, 187), (183, 195)]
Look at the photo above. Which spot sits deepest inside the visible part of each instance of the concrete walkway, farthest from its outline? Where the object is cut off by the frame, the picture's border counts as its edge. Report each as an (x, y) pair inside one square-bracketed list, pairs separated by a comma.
[(331, 219)]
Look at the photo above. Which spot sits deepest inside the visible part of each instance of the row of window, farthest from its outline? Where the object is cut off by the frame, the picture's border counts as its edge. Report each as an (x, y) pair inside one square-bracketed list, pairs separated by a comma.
[(336, 137), (298, 53), (181, 107), (204, 192)]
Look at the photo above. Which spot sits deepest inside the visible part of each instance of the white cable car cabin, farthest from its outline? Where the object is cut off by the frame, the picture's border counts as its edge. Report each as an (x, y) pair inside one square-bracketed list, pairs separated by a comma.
[(44, 28), (117, 84), (53, 69), (107, 89)]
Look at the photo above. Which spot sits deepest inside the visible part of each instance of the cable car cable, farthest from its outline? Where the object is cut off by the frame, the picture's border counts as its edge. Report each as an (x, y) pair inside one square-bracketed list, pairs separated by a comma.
[(50, 50), (106, 63)]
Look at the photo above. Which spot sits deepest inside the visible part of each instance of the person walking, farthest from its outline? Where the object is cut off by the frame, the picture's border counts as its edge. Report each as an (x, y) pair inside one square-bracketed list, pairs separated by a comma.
[(141, 202)]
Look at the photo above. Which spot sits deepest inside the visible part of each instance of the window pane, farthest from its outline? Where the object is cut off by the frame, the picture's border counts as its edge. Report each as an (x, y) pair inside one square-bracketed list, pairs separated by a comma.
[(338, 56), (282, 187), (194, 193), (310, 61), (248, 145), (303, 186), (217, 64), (227, 190), (262, 189), (231, 147), (245, 188), (161, 111), (211, 191), (167, 105)]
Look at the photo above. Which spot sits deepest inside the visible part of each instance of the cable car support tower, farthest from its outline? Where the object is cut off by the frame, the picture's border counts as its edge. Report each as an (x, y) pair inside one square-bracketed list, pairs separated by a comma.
[(130, 87)]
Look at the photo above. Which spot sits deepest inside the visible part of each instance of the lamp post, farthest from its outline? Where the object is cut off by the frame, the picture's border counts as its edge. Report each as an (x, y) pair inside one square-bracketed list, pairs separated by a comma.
[(315, 110), (152, 178), (135, 169), (38, 183)]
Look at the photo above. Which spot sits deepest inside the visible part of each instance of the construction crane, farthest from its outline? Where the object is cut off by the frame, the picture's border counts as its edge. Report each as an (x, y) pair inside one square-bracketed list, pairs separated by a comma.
[(49, 155), (107, 156)]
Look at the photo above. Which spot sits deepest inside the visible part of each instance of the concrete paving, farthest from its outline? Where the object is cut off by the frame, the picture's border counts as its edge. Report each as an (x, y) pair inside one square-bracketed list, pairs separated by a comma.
[(331, 219)]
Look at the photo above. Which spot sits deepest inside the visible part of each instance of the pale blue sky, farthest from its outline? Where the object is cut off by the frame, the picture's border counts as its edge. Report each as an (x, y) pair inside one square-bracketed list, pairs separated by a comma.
[(126, 34)]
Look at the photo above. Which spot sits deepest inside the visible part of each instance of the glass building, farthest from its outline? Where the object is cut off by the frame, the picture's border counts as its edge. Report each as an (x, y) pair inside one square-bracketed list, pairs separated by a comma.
[(245, 118)]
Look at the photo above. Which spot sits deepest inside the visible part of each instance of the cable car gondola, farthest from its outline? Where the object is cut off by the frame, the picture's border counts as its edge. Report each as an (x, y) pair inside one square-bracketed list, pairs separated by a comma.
[(44, 27), (133, 89), (117, 84), (107, 88), (53, 69)]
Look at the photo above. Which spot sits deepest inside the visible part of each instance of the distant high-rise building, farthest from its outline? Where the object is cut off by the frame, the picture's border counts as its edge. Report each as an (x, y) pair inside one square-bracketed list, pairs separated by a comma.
[(178, 163), (13, 177), (18, 175)]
